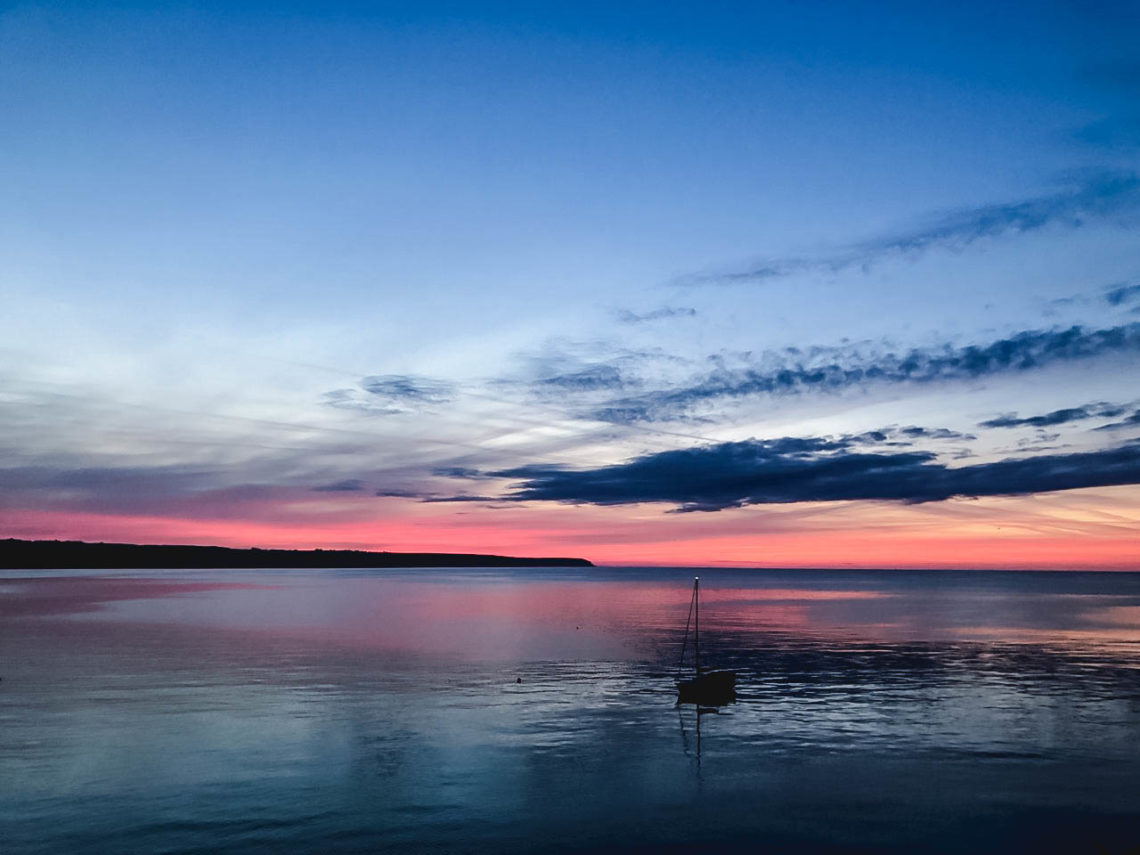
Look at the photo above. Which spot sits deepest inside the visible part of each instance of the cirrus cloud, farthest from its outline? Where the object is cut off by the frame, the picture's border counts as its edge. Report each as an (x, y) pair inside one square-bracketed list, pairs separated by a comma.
[(832, 369)]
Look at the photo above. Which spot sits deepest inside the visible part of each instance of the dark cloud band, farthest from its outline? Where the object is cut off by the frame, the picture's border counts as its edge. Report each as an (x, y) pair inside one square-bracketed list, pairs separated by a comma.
[(754, 472)]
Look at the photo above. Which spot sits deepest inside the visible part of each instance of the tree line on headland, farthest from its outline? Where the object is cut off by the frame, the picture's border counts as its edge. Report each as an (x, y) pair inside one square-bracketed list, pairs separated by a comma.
[(75, 554)]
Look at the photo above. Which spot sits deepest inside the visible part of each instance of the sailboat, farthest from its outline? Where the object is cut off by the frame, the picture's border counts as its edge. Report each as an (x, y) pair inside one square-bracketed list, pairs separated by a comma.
[(704, 688)]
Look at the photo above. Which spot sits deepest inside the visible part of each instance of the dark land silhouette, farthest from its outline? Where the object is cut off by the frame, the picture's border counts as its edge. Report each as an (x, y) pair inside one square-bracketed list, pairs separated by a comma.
[(76, 554)]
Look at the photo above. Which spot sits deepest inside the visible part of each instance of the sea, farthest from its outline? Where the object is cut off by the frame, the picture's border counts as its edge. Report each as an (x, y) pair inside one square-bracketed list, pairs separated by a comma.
[(534, 710)]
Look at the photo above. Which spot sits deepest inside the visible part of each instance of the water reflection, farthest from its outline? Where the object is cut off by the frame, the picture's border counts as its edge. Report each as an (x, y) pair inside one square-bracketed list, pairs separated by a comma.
[(695, 713), (370, 711)]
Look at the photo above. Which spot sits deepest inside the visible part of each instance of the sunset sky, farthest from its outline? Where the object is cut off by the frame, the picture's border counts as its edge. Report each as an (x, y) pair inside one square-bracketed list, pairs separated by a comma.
[(775, 284)]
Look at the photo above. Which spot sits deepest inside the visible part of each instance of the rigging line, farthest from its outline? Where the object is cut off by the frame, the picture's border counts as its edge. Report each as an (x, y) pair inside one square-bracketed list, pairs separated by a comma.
[(685, 638)]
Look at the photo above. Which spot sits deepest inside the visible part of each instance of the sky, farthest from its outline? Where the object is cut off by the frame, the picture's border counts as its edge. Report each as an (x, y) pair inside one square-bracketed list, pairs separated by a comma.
[(759, 284)]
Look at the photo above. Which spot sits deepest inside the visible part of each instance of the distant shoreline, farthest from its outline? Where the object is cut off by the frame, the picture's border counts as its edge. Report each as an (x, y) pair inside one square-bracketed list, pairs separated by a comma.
[(76, 554)]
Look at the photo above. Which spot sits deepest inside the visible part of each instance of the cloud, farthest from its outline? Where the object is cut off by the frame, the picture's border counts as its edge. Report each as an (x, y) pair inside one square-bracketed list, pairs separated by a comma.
[(1120, 294), (591, 379), (391, 394), (831, 369), (404, 387), (1097, 196), (349, 485), (755, 472), (894, 436), (913, 432), (458, 472), (593, 368), (627, 317), (1132, 421), (184, 491), (463, 498), (110, 484), (352, 399), (1057, 417), (1116, 295), (789, 447)]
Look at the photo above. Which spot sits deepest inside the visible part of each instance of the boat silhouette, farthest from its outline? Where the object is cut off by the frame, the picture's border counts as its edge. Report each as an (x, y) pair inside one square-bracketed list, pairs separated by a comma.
[(709, 688)]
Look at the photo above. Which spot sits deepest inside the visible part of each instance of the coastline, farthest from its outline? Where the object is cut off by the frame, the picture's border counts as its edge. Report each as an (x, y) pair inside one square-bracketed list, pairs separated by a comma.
[(75, 554)]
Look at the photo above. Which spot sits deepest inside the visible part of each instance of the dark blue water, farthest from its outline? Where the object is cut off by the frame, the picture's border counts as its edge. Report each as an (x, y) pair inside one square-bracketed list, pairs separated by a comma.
[(362, 711)]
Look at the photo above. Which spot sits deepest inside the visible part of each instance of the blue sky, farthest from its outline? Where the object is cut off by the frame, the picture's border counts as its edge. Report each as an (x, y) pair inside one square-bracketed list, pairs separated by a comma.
[(253, 250)]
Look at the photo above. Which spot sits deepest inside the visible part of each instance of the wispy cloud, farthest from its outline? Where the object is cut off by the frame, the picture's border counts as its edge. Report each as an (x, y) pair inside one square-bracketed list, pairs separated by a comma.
[(834, 369), (1094, 197), (462, 498), (391, 394), (349, 485), (625, 316), (1100, 409), (913, 432), (595, 369), (399, 494), (755, 472), (1119, 295), (404, 387), (894, 436), (463, 472), (590, 379), (1132, 421), (111, 483)]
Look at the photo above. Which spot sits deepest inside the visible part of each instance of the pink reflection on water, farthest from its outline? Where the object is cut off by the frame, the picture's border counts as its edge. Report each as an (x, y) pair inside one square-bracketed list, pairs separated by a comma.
[(1125, 616), (1030, 635), (512, 618), (739, 595), (453, 615), (62, 595), (1100, 624)]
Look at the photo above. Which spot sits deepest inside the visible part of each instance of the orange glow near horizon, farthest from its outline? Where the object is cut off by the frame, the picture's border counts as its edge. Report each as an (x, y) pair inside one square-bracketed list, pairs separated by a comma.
[(1095, 530)]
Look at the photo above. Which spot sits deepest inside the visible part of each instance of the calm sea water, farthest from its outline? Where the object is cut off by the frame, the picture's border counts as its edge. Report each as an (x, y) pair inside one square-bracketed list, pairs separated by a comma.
[(362, 711)]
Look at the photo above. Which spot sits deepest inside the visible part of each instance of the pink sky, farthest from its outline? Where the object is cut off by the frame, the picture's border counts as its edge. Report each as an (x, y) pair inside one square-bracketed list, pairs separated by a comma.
[(1081, 529)]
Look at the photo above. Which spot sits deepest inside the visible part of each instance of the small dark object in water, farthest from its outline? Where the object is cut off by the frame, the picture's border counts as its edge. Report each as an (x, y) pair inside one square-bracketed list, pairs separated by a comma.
[(712, 688), (518, 679)]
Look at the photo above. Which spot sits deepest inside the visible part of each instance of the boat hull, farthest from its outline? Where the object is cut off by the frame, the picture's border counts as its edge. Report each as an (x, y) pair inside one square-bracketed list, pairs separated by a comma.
[(710, 688)]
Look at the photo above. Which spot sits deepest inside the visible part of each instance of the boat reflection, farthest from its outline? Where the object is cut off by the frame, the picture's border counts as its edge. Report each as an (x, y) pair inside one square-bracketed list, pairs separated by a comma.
[(694, 749)]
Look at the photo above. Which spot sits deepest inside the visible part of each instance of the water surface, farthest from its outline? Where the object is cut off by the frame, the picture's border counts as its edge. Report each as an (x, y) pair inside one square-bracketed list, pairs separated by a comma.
[(523, 710)]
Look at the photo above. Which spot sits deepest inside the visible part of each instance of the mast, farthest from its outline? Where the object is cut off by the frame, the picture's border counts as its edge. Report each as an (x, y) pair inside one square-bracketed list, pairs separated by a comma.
[(697, 622)]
